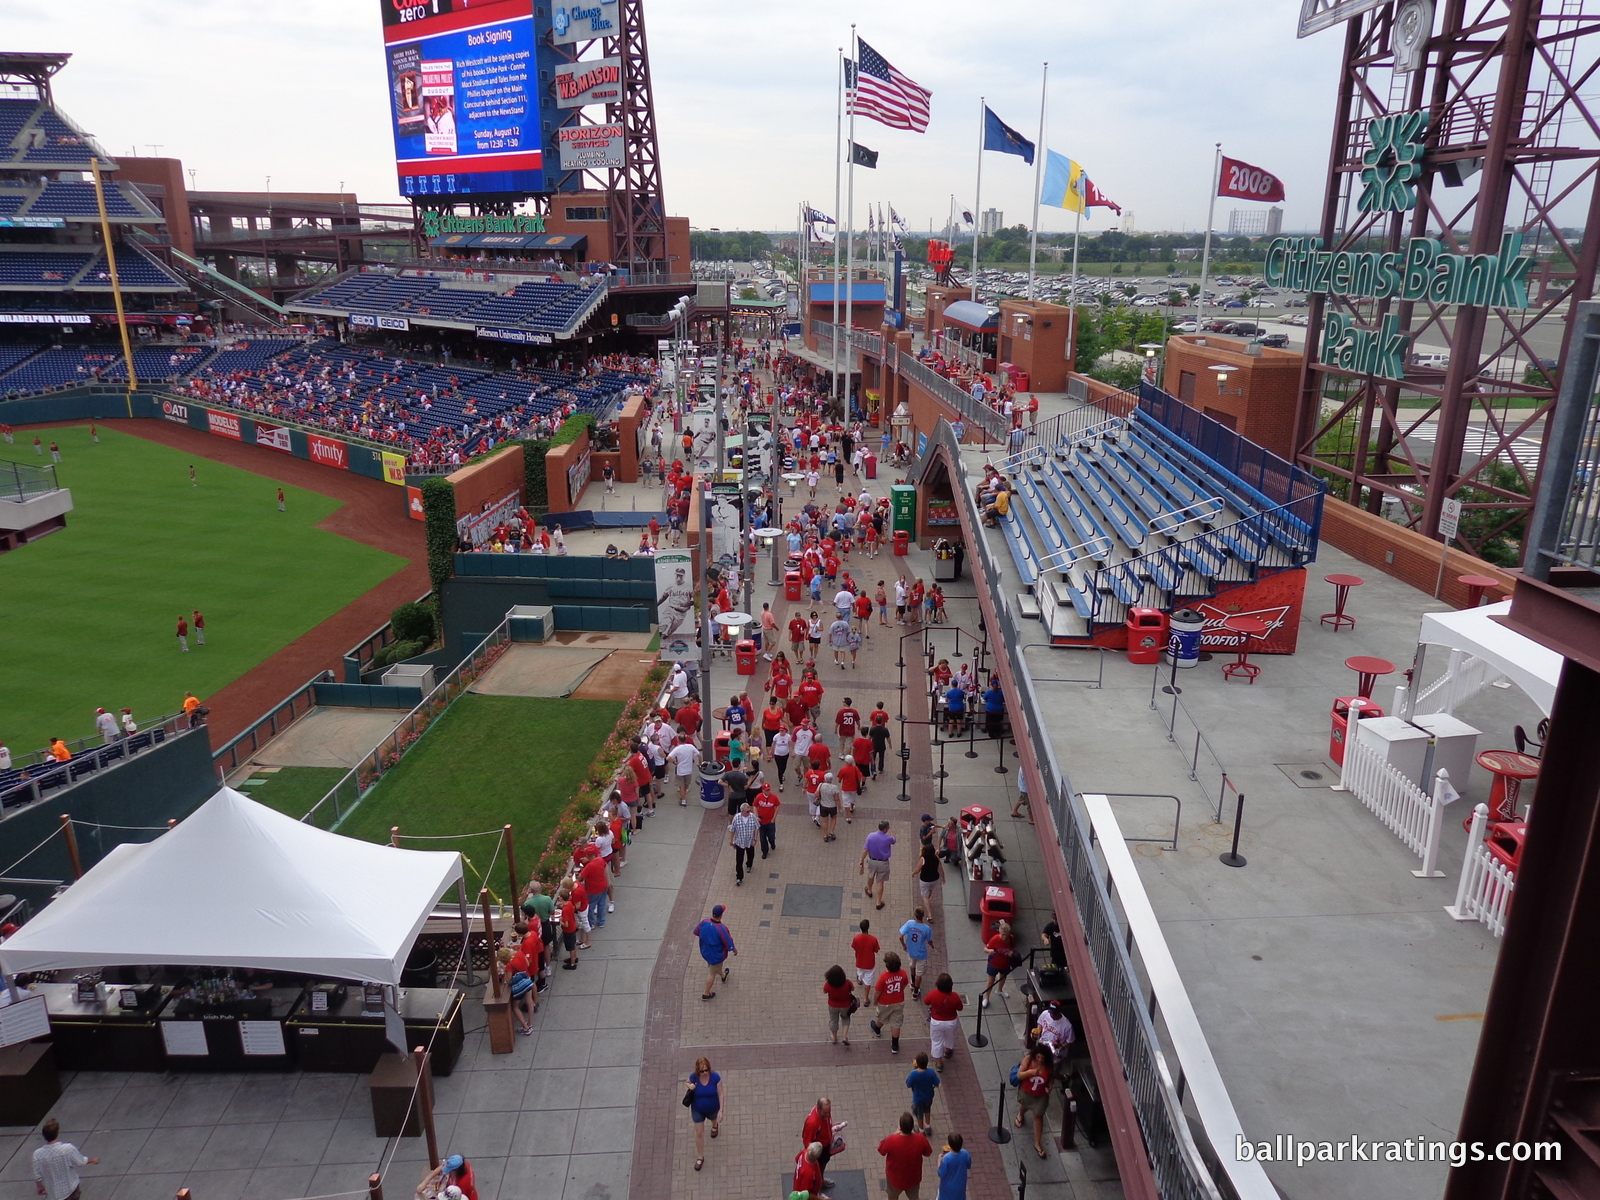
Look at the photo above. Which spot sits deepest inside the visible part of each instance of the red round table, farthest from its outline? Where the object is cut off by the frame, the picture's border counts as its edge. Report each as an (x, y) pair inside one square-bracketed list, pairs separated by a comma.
[(1341, 593), (1509, 769), (1367, 670), (1476, 585), (1247, 628)]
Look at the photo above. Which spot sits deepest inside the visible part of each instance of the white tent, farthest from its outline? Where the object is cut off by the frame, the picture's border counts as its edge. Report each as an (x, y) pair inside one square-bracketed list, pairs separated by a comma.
[(237, 884), (1481, 650)]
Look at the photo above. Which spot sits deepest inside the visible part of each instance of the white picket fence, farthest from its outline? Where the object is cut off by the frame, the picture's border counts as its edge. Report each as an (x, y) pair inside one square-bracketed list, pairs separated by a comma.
[(1415, 816), (1484, 892)]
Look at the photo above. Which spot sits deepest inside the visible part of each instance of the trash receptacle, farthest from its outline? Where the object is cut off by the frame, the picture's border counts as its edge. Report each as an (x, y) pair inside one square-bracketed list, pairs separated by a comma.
[(719, 748), (999, 903), (870, 465), (1183, 640), (902, 542), (421, 969), (974, 814), (711, 778), (1340, 736), (791, 586), (744, 657), (1147, 634)]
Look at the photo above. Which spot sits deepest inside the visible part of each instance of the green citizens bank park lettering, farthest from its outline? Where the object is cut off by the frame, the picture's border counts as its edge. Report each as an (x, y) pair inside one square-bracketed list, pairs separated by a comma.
[(435, 223)]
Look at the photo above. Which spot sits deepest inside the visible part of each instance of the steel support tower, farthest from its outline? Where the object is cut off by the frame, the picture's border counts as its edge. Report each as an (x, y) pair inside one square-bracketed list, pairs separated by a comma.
[(1510, 145)]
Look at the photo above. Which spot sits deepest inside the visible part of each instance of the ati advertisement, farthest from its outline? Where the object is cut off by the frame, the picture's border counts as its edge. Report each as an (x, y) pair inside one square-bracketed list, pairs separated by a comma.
[(462, 97)]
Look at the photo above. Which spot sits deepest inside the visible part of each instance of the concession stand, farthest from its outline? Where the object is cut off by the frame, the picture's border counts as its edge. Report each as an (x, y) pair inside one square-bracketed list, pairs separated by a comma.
[(241, 939)]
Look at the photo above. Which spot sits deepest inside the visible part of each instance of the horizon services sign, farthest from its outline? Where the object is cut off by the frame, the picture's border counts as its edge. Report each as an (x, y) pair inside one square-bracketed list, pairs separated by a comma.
[(591, 147)]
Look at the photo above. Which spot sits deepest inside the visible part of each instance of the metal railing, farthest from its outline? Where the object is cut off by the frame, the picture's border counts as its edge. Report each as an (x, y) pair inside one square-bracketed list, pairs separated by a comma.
[(24, 481), (282, 715), (33, 779), (1183, 1168), (1565, 529), (952, 396), (1225, 782), (342, 798), (171, 723)]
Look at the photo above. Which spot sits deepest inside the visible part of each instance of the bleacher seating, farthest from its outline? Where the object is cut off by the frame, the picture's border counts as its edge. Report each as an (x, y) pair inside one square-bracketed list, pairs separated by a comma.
[(53, 368), (247, 356), (12, 353), (1129, 513), (12, 200), (14, 117), (78, 200), (542, 307), (31, 268), (160, 362), (134, 272), (17, 785), (51, 140)]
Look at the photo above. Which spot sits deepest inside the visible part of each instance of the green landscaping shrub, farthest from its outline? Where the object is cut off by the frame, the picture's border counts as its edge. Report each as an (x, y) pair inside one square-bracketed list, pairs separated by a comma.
[(572, 429), (398, 652), (535, 490), (412, 622), (439, 524)]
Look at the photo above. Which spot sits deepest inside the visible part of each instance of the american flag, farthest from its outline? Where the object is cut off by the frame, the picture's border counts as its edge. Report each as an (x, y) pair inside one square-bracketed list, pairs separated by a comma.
[(885, 95)]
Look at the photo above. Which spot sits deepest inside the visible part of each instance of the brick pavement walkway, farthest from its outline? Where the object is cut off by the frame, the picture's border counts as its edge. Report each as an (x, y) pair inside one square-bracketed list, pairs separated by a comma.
[(766, 1032)]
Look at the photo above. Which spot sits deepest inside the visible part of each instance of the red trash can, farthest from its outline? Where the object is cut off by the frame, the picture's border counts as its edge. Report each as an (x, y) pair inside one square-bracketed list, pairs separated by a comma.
[(999, 903), (870, 464), (719, 747), (973, 814), (1147, 635), (744, 657), (902, 542), (1337, 740), (791, 586)]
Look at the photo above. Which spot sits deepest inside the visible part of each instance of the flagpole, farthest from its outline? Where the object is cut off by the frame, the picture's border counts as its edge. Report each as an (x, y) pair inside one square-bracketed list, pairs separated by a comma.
[(850, 233), (977, 201), (1205, 257), (838, 143), (1038, 180), (1072, 286)]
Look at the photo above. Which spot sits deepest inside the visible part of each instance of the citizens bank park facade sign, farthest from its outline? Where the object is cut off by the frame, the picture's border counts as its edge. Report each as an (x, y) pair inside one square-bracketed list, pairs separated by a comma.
[(1423, 271)]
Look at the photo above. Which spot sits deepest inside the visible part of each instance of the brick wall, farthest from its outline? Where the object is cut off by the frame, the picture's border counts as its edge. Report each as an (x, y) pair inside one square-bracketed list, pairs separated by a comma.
[(1405, 553), (1259, 397), (489, 481)]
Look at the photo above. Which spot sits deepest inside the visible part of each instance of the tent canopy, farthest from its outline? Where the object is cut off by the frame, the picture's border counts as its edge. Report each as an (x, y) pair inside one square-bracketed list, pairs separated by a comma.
[(1474, 631), (237, 884)]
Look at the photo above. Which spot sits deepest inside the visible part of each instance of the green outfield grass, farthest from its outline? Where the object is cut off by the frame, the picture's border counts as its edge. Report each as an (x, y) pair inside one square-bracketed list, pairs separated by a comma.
[(489, 761), (88, 614), (293, 790)]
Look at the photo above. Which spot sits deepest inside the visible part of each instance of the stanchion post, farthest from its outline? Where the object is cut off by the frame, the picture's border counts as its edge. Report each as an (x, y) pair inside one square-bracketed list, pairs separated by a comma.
[(972, 733), (374, 1187), (1233, 858), (71, 837), (511, 864), (1000, 743), (1000, 1135), (977, 1038), (425, 1103), (394, 836)]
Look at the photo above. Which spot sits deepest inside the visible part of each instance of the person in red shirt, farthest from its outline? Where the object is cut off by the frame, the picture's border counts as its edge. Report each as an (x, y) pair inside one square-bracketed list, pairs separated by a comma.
[(643, 777), (797, 712), (568, 915), (688, 718), (1033, 1092), (813, 781), (944, 1023), (861, 752), (863, 611), (808, 1181), (838, 989), (767, 806), (519, 974), (865, 947), (848, 777), (892, 987), (820, 755), (846, 722), (781, 681), (818, 1131), (797, 629), (619, 845), (772, 718), (998, 967), (810, 694), (903, 1153)]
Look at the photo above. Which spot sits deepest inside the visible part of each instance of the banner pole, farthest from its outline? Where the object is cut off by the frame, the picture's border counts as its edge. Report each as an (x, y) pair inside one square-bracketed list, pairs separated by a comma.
[(1038, 182), (1072, 291), (838, 167), (1205, 257), (977, 201), (850, 241)]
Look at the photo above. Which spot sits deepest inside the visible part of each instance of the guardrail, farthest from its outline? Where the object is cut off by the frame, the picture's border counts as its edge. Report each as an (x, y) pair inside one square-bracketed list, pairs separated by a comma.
[(171, 723), (342, 798), (31, 781), (282, 715), (1174, 1110), (23, 481)]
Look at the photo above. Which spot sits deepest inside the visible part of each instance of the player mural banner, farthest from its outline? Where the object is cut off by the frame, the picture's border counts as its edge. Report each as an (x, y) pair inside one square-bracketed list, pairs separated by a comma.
[(727, 508), (328, 452), (274, 437), (394, 468), (675, 605)]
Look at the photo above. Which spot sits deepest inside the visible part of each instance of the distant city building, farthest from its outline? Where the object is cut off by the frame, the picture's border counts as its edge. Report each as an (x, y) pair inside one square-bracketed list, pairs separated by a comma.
[(1253, 222), (990, 222)]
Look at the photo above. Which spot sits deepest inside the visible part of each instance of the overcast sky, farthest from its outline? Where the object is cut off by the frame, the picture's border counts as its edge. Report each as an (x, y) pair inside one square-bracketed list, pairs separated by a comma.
[(745, 96)]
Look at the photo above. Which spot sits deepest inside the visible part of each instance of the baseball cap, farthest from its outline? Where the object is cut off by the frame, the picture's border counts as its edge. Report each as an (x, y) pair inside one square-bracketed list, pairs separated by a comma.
[(927, 816), (717, 910), (454, 1163)]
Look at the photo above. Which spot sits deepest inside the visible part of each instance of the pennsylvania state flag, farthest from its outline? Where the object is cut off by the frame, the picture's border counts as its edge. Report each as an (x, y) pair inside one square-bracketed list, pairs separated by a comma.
[(997, 135)]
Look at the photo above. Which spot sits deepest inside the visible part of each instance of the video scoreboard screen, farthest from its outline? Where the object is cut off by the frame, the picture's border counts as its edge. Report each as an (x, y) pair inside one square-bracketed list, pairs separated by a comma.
[(463, 96)]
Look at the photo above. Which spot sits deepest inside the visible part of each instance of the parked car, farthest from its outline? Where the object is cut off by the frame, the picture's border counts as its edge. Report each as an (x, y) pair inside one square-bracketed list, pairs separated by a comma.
[(1186, 327), (1279, 341)]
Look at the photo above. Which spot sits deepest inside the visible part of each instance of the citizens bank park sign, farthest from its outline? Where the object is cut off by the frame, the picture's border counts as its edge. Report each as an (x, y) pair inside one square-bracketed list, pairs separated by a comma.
[(1423, 271), (436, 223)]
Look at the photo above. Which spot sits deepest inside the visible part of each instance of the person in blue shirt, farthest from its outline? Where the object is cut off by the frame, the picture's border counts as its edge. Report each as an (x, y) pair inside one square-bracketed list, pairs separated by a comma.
[(917, 938), (953, 1167), (994, 708), (955, 709), (922, 1081), (738, 719), (716, 944)]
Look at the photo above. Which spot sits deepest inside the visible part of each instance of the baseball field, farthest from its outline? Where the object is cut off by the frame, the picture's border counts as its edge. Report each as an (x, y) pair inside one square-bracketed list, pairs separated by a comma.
[(88, 615)]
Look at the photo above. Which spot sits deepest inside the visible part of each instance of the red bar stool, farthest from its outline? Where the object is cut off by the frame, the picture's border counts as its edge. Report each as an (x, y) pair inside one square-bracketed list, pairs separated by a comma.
[(1247, 628), (1341, 593), (1476, 586), (1367, 670)]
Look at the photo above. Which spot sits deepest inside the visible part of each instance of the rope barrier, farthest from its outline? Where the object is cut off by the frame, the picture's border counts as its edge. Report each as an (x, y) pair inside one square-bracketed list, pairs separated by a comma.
[(31, 853), (135, 828), (445, 837)]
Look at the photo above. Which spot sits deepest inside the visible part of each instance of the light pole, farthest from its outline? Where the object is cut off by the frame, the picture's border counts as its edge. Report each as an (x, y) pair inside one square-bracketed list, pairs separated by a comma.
[(1151, 349), (769, 538)]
